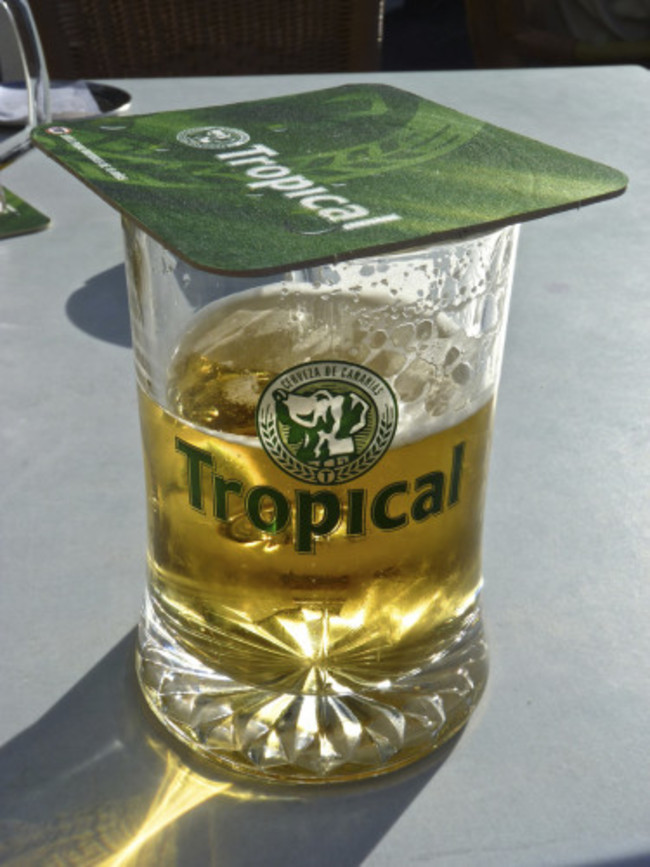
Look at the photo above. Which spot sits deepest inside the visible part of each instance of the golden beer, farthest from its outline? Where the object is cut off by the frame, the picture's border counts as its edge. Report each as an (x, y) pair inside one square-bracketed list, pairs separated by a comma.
[(308, 600)]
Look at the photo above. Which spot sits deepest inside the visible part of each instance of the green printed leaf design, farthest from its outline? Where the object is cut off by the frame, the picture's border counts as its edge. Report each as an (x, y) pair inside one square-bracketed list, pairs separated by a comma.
[(410, 170), (19, 217)]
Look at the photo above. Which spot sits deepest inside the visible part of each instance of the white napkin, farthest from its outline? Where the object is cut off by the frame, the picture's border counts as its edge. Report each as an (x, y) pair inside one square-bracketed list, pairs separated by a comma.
[(68, 99)]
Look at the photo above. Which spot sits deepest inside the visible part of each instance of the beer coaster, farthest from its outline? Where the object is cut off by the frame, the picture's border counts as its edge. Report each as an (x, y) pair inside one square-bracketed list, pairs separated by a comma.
[(312, 178), (20, 217)]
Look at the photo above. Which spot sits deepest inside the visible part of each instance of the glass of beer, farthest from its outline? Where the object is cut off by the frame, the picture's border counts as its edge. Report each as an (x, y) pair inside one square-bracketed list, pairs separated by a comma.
[(316, 448)]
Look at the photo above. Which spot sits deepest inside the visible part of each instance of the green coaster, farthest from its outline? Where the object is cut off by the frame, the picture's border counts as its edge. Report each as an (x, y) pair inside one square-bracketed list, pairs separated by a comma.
[(20, 218), (293, 181)]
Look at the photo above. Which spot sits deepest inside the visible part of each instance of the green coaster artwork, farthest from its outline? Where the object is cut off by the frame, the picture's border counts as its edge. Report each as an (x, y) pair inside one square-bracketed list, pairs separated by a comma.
[(317, 177), (20, 218)]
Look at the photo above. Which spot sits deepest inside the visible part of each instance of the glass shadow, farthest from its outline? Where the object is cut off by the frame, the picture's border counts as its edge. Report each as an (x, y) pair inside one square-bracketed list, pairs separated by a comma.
[(101, 308), (96, 781)]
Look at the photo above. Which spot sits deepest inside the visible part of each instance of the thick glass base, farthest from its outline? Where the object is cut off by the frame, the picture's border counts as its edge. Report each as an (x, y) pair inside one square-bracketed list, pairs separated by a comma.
[(341, 732)]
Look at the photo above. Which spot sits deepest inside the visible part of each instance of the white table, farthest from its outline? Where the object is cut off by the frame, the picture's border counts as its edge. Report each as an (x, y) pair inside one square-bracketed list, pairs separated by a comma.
[(554, 768)]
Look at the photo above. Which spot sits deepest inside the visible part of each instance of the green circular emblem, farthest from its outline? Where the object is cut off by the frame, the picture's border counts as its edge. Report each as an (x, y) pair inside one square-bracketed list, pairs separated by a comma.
[(216, 138), (326, 422)]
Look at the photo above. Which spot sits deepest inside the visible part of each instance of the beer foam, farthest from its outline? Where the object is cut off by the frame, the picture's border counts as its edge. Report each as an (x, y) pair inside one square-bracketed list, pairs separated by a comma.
[(415, 424), (430, 323)]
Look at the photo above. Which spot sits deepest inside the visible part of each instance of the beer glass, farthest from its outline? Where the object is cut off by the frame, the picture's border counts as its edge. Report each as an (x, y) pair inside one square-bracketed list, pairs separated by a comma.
[(316, 448)]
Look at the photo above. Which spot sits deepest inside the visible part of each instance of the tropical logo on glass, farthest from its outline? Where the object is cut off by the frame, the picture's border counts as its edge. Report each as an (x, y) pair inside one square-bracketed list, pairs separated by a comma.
[(327, 422)]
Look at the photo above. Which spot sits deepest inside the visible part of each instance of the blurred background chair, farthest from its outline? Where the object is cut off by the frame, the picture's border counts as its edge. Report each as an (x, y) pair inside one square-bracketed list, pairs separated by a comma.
[(491, 27), (426, 34), (144, 38), (513, 33)]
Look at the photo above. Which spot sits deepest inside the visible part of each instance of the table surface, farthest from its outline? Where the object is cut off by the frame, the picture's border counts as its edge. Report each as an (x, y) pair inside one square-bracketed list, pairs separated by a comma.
[(554, 767)]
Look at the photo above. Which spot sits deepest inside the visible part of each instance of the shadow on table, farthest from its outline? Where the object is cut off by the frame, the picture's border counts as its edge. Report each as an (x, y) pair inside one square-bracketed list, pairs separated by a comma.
[(101, 307), (632, 861), (97, 782)]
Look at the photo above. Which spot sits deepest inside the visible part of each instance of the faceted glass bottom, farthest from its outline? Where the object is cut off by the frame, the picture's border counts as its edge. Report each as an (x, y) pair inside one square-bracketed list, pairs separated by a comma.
[(333, 735)]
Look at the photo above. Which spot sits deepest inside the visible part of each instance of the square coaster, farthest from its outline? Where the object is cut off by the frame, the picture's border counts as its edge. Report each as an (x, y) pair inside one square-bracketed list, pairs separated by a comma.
[(19, 217), (300, 180)]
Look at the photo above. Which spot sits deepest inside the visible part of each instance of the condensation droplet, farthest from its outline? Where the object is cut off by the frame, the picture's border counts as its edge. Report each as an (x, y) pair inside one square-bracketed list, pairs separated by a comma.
[(462, 373), (377, 339), (452, 356)]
